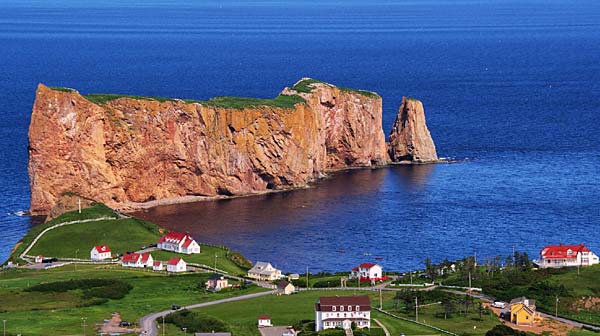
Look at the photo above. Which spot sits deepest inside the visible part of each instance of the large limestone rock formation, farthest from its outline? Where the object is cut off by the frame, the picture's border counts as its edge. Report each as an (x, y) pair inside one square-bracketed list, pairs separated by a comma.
[(124, 150), (410, 139)]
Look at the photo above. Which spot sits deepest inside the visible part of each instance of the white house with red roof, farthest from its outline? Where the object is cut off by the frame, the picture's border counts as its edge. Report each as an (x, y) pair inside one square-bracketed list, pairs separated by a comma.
[(264, 320), (368, 272), (341, 311), (39, 259), (100, 252), (176, 265), (178, 242), (157, 266), (556, 256), (137, 260)]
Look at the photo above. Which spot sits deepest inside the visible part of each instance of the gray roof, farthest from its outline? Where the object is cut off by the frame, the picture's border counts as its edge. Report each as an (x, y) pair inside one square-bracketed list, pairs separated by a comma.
[(521, 299), (260, 268)]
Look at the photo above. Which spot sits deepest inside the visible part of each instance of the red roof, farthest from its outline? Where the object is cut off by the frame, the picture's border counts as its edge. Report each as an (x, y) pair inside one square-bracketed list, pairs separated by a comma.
[(562, 251), (157, 263), (366, 265), (174, 261), (264, 317), (131, 257), (102, 248), (355, 269), (177, 237), (145, 257), (327, 302)]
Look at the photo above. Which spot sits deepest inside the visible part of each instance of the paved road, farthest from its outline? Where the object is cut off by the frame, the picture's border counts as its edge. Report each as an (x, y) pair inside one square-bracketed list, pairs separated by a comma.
[(560, 319), (148, 324)]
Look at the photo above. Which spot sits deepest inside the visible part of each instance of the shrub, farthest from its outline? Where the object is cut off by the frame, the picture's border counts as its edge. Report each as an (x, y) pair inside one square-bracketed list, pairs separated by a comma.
[(503, 330), (196, 322)]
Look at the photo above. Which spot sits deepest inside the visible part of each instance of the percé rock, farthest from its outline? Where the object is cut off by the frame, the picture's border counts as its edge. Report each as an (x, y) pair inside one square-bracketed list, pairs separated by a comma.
[(124, 150), (410, 139)]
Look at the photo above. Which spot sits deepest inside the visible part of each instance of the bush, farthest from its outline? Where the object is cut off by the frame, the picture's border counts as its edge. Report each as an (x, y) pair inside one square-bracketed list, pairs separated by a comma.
[(503, 330), (196, 322), (91, 288)]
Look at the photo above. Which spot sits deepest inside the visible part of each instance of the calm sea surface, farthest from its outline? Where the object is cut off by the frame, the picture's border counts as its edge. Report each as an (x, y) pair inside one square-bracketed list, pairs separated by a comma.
[(512, 89)]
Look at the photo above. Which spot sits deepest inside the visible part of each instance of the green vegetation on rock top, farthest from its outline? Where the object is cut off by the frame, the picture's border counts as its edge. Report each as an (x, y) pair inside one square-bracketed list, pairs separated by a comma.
[(62, 89), (101, 98), (281, 101), (305, 86)]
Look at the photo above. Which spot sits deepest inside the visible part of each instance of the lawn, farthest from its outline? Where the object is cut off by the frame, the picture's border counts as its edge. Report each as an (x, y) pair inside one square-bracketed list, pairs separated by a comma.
[(76, 241), (206, 257), (288, 310), (61, 313)]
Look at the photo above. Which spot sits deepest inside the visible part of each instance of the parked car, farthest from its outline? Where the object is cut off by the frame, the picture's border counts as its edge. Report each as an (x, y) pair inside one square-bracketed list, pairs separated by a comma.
[(175, 307), (153, 245), (499, 304), (125, 324), (143, 247)]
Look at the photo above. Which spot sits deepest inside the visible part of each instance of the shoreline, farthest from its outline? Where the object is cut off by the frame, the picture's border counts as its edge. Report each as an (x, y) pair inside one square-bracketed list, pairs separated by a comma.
[(133, 207)]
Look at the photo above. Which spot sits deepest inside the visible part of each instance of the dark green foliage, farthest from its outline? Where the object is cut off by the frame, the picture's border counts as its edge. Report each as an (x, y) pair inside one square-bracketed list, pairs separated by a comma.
[(62, 89), (196, 322), (304, 85), (101, 98), (281, 101), (91, 288), (503, 330), (239, 259)]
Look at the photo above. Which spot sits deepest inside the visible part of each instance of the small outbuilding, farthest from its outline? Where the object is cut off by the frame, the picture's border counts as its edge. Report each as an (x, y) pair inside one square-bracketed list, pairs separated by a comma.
[(39, 259), (264, 321), (217, 282), (176, 265), (100, 252), (285, 288), (157, 266)]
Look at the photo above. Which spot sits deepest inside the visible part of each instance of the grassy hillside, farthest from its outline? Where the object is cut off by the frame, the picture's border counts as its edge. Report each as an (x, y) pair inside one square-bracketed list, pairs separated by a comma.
[(289, 310), (61, 313)]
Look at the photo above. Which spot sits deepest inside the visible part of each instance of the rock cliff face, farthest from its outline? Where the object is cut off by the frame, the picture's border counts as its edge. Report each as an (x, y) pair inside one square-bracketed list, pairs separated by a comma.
[(124, 150), (410, 139)]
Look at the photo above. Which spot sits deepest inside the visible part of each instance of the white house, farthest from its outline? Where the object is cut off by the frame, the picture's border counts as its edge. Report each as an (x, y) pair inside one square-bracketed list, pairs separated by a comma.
[(178, 242), (157, 266), (137, 260), (566, 256), (217, 282), (264, 320), (176, 265), (285, 288), (367, 272), (264, 271), (341, 311), (39, 259), (100, 252)]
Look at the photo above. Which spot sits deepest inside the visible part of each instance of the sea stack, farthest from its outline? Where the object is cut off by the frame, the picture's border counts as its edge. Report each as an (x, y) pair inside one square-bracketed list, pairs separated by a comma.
[(126, 150), (410, 139)]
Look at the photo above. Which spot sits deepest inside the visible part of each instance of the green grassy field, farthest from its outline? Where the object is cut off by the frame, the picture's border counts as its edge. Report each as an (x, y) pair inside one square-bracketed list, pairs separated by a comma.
[(288, 310), (34, 313), (76, 241), (205, 257)]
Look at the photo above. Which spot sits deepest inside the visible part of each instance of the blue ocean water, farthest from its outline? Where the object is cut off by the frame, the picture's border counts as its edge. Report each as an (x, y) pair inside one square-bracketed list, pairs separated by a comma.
[(512, 88)]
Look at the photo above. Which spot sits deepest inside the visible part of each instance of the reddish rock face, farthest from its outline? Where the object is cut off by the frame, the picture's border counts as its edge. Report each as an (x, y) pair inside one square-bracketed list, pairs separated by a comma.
[(410, 139), (127, 150)]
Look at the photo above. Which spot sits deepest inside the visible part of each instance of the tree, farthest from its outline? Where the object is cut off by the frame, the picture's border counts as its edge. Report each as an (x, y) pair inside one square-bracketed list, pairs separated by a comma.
[(449, 307)]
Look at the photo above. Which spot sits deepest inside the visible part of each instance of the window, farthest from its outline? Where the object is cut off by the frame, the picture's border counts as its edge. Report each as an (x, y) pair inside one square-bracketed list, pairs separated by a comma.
[(341, 308), (333, 308), (357, 308), (349, 308)]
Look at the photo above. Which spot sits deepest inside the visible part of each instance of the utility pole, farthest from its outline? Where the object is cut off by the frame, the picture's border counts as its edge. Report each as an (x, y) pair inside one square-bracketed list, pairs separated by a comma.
[(556, 309), (306, 277), (470, 281), (215, 262), (380, 299), (84, 325), (417, 308), (4, 323), (184, 330), (163, 317), (79, 204)]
